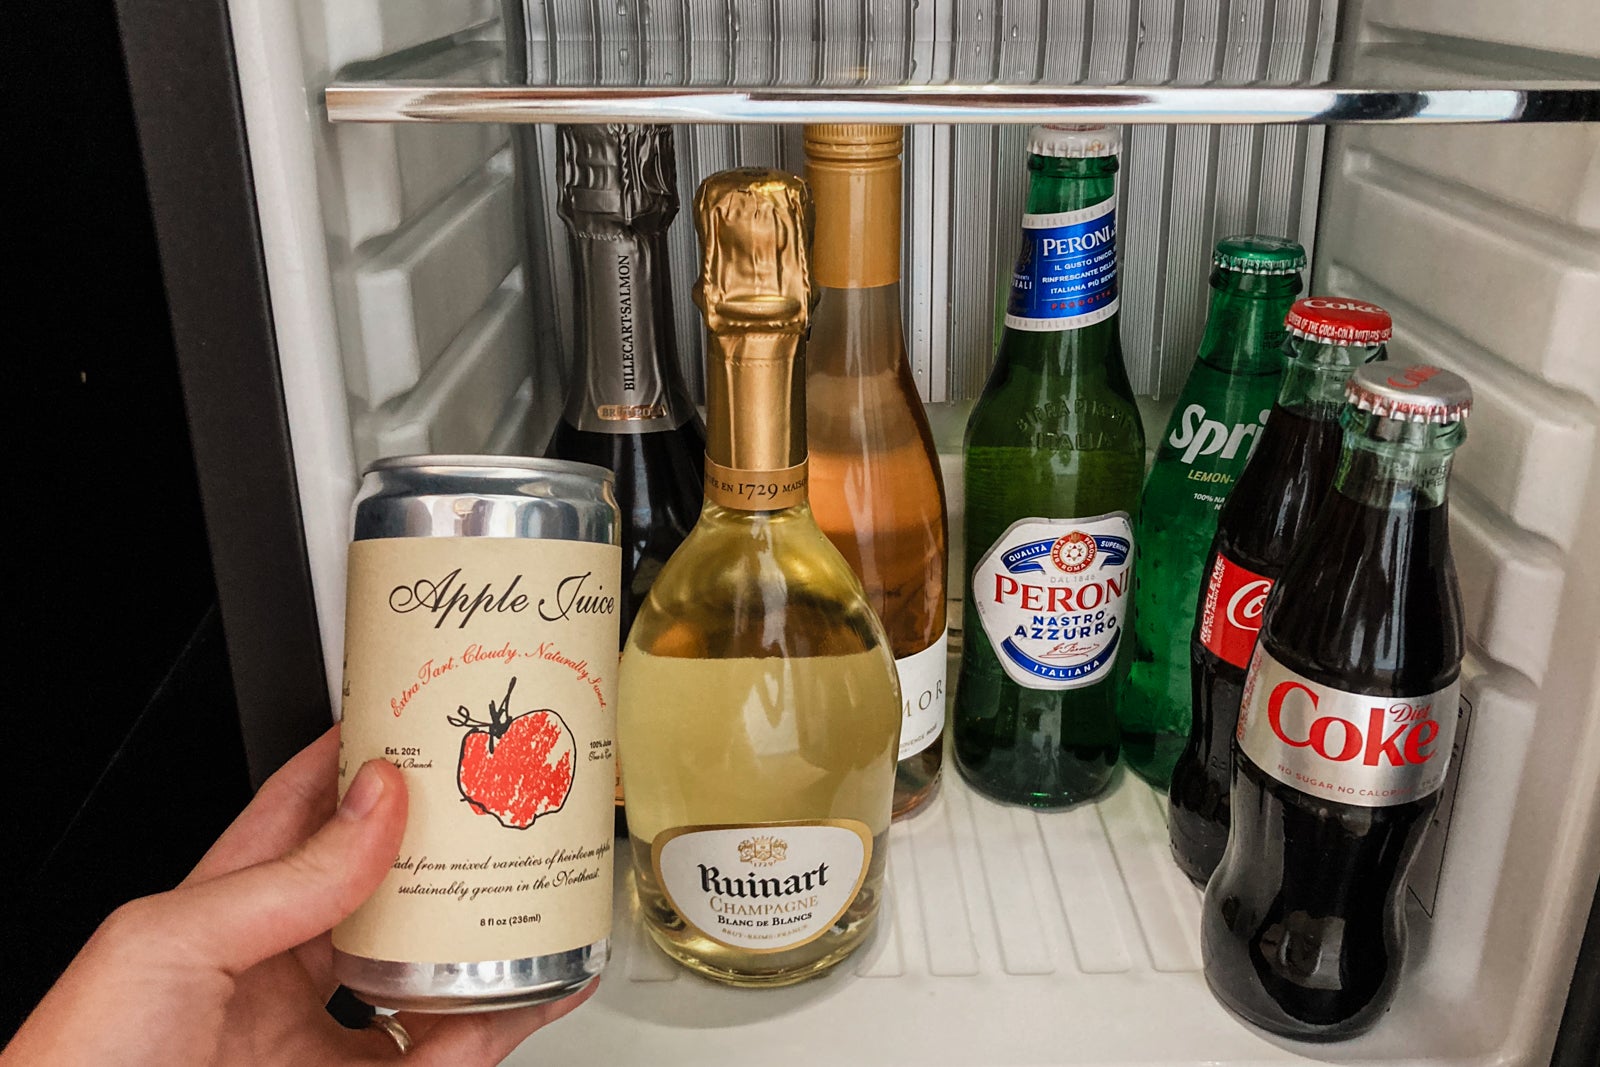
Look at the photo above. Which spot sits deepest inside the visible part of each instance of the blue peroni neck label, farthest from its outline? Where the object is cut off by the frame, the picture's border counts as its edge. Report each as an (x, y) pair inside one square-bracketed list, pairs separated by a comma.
[(1066, 276), (1052, 595)]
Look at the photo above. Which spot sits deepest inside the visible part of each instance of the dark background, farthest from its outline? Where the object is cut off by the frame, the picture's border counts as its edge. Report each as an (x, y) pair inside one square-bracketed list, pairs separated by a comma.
[(122, 742)]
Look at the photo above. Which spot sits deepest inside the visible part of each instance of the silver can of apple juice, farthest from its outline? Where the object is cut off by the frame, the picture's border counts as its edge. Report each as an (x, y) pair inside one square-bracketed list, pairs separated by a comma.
[(480, 658)]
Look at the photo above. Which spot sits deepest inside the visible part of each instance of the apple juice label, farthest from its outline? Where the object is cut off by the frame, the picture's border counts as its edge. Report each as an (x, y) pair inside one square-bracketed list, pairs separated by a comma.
[(1052, 594), (763, 887), (922, 678), (1066, 275), (1230, 615), (485, 669), (1353, 748)]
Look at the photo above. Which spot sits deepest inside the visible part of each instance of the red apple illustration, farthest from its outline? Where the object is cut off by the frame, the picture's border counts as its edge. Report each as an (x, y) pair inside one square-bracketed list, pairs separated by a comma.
[(515, 767)]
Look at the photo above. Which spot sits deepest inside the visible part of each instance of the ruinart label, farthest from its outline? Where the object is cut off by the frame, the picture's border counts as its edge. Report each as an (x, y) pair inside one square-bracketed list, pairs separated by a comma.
[(922, 681), (763, 887), (1353, 748), (485, 669), (1052, 595), (1066, 276)]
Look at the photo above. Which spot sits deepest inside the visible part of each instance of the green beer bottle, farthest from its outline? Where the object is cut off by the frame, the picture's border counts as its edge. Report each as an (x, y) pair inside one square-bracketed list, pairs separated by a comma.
[(1213, 431), (1054, 457)]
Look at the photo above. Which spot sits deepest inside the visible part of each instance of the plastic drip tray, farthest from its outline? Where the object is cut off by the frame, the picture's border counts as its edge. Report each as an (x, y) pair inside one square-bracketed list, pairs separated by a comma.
[(1009, 937)]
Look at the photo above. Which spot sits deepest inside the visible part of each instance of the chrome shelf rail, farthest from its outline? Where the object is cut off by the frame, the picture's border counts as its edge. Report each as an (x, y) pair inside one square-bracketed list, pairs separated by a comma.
[(908, 104), (752, 82)]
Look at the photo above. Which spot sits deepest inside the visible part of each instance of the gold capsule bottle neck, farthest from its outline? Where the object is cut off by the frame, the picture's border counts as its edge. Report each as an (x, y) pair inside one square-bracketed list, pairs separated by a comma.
[(854, 174), (755, 292)]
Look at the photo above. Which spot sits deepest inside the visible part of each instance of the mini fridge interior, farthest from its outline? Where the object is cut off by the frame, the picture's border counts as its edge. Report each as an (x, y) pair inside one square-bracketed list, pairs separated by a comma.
[(356, 211)]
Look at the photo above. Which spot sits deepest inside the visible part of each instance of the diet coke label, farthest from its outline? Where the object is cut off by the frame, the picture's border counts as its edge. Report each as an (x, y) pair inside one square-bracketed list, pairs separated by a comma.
[(1351, 748), (1230, 615)]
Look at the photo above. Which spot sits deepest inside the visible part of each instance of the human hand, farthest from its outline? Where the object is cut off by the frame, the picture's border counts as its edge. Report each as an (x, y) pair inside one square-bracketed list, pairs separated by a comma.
[(235, 964)]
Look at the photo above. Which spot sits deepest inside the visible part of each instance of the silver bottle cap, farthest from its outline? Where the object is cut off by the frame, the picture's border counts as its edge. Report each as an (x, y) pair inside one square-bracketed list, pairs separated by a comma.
[(1074, 142), (1410, 392), (615, 175)]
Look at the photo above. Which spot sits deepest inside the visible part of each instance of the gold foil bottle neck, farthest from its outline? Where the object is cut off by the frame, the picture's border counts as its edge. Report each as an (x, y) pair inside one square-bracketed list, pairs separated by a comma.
[(756, 294), (854, 172), (755, 270)]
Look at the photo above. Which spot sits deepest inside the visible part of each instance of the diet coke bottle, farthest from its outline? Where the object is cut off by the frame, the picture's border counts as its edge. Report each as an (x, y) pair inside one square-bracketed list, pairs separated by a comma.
[(1344, 735), (1268, 510)]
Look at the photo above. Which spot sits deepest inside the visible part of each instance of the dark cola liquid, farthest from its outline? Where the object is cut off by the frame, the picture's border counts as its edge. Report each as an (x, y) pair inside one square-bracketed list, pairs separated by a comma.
[(1269, 509), (1302, 930)]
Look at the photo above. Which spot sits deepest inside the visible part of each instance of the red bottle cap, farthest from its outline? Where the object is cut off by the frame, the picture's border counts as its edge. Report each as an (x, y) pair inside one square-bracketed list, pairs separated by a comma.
[(1339, 320)]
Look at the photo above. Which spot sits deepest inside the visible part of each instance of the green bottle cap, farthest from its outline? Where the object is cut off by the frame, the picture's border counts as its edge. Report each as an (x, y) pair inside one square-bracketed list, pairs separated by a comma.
[(1253, 253)]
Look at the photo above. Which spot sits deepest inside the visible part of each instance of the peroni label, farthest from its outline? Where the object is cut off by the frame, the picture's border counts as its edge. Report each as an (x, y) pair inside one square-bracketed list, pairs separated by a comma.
[(1052, 595), (1066, 276), (1230, 614), (1350, 748)]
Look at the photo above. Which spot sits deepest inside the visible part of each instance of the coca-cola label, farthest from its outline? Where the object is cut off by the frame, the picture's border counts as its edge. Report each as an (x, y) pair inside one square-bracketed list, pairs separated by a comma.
[(1352, 748), (1052, 594), (1230, 615)]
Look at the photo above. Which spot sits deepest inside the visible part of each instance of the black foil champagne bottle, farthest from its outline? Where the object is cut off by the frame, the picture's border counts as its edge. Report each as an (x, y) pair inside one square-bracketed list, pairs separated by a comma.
[(627, 408)]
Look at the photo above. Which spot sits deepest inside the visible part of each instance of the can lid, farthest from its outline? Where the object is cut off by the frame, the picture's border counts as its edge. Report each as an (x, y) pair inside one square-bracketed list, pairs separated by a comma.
[(1074, 142), (1339, 320), (1411, 392), (486, 463), (1256, 253)]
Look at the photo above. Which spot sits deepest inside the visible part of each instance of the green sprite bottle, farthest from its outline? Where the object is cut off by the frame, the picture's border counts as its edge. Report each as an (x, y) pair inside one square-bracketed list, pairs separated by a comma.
[(1054, 458), (1212, 433)]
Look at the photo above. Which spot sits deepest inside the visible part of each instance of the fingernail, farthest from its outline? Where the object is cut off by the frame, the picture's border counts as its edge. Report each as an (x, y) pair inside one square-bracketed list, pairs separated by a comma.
[(363, 794)]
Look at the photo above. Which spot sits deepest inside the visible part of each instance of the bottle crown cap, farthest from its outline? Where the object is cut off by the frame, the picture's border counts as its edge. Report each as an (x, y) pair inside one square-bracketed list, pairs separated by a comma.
[(1253, 253), (1337, 320), (1410, 392), (1074, 142)]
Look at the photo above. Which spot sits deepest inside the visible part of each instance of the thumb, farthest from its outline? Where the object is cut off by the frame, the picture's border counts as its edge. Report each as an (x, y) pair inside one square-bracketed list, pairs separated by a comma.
[(242, 918)]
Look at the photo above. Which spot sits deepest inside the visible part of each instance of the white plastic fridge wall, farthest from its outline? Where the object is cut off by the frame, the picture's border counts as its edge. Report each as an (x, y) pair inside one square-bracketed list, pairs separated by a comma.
[(1013, 937)]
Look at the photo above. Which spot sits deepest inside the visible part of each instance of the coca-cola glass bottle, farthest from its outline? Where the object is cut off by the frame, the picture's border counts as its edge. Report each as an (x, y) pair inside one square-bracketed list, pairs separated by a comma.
[(1345, 732), (1266, 513)]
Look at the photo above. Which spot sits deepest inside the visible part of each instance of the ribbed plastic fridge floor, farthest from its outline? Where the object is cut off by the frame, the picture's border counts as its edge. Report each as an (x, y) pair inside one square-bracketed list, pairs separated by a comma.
[(1010, 938)]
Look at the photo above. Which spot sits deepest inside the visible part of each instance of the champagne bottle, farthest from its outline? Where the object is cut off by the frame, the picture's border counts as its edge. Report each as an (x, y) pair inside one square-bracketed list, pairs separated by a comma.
[(875, 484), (758, 705), (627, 408)]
